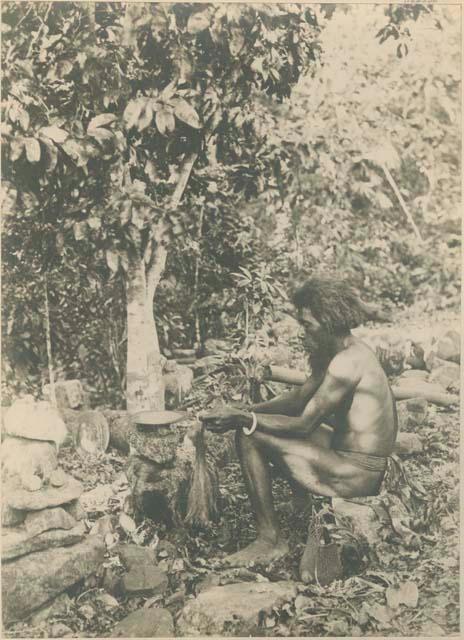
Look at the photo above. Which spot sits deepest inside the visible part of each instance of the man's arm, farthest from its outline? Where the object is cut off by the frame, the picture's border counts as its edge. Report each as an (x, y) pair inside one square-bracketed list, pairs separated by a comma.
[(291, 403), (341, 379)]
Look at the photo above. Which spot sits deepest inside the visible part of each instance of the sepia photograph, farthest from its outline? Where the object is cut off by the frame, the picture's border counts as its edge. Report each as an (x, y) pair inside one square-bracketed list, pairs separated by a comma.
[(231, 331)]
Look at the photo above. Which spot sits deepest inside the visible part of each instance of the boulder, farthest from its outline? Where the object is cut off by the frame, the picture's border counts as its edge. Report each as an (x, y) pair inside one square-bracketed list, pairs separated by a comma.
[(133, 556), (362, 517), (408, 443), (146, 579), (20, 498), (418, 374), (52, 518), (26, 418), (240, 603), (17, 541), (33, 580), (449, 347), (22, 457), (447, 375), (60, 606), (145, 623)]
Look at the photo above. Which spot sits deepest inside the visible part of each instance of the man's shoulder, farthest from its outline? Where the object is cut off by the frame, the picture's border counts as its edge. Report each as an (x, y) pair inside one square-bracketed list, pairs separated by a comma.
[(347, 365)]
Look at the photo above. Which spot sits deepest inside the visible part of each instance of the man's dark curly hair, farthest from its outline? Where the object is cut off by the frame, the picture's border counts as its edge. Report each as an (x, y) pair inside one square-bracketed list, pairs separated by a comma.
[(333, 302)]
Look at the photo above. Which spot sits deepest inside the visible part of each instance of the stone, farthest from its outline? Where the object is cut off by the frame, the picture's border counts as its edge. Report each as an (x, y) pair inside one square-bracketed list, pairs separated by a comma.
[(133, 556), (145, 623), (102, 526), (449, 347), (47, 496), (363, 518), (18, 542), (12, 517), (96, 500), (60, 630), (58, 478), (433, 362), (145, 580), (408, 443), (33, 420), (33, 580), (60, 606), (51, 518), (75, 509), (233, 603), (448, 376), (23, 458)]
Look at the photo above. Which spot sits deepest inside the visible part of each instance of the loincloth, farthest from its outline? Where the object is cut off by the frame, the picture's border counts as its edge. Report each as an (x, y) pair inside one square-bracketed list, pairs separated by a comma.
[(365, 461)]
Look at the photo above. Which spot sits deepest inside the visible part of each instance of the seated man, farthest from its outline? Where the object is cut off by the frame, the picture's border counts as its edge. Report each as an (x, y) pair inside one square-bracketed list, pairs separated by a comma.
[(347, 390)]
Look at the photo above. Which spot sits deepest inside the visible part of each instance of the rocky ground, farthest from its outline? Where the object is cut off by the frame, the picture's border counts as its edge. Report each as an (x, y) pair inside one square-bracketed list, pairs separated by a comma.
[(156, 582)]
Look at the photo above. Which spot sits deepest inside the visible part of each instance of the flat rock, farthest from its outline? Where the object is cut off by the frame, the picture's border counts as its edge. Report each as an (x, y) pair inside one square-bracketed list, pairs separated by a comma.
[(33, 580), (145, 623), (237, 603), (408, 443), (33, 420), (45, 497), (18, 541), (133, 556), (23, 457), (51, 518), (449, 347), (363, 517), (60, 606), (145, 580)]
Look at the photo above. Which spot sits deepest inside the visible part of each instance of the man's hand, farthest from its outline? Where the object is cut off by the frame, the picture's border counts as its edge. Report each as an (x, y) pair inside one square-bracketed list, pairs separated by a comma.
[(225, 418)]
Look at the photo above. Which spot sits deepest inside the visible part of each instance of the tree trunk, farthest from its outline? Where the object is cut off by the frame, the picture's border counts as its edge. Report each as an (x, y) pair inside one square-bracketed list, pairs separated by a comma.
[(145, 389)]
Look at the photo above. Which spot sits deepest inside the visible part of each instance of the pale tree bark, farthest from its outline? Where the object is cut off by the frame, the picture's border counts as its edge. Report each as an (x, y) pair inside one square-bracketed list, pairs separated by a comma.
[(145, 389)]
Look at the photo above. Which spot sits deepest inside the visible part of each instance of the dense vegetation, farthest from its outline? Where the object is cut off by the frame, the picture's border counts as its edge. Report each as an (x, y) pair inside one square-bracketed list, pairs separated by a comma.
[(105, 113)]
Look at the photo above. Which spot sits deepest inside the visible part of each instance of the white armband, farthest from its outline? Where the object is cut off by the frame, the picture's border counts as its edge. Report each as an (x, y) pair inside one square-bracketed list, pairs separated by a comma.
[(249, 430)]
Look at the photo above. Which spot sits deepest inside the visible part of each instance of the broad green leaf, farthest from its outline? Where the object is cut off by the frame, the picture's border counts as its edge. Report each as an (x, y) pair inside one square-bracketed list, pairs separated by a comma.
[(198, 22), (257, 65), (132, 112), (145, 117), (77, 152), (112, 260), (63, 68), (101, 120), (237, 41), (185, 112), (32, 149), (165, 121), (54, 133)]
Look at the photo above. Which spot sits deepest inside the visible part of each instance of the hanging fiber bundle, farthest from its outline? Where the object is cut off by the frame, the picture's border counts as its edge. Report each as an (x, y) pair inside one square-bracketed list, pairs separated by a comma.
[(203, 498)]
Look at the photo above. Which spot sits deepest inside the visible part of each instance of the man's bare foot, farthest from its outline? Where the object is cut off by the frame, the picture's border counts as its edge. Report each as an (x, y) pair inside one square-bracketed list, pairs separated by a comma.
[(258, 552)]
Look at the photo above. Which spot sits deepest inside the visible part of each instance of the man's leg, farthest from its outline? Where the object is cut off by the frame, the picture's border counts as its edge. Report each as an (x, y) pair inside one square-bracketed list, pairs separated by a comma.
[(256, 473)]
